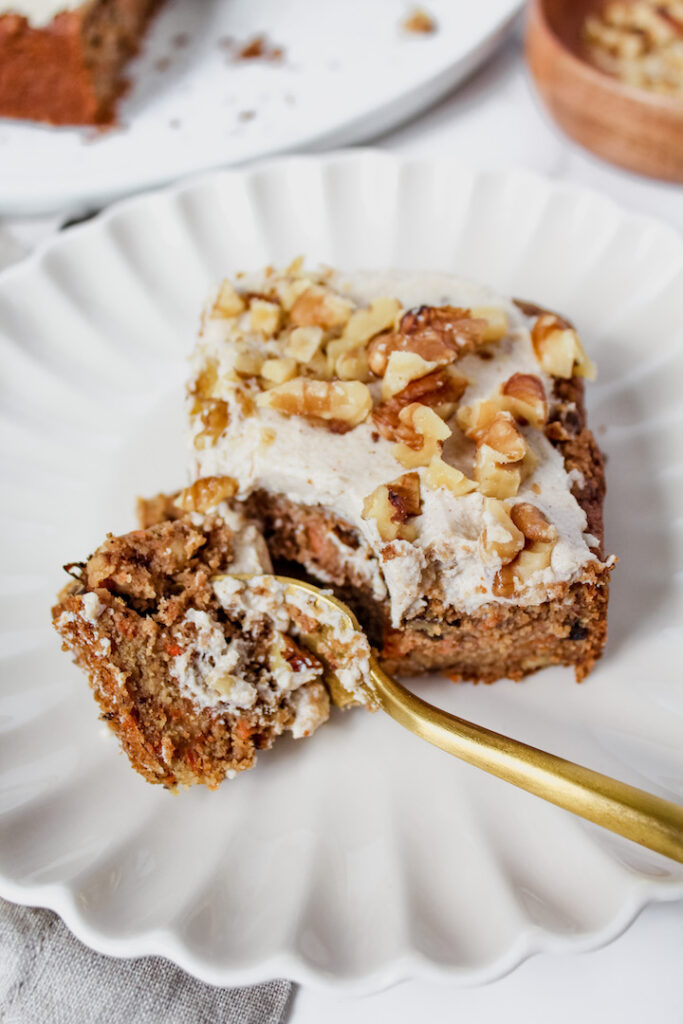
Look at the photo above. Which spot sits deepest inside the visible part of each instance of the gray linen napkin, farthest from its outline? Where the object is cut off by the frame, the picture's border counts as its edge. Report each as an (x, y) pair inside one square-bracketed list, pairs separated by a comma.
[(48, 977)]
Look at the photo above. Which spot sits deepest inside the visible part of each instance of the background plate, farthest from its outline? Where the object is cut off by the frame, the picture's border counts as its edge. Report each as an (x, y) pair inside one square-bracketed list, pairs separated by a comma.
[(348, 73), (361, 856)]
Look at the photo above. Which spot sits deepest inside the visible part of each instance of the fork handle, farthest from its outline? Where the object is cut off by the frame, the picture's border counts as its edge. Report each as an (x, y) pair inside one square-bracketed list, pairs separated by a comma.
[(642, 817)]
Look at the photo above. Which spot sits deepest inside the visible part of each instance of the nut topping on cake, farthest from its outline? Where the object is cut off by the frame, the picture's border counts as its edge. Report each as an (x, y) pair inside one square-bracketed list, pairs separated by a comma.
[(440, 390), (228, 301), (532, 522), (559, 350), (341, 404), (402, 368), (319, 307), (494, 479), (392, 505), (427, 434), (525, 398), (496, 322), (440, 334), (206, 493), (303, 343), (500, 538), (264, 317), (503, 435), (440, 474)]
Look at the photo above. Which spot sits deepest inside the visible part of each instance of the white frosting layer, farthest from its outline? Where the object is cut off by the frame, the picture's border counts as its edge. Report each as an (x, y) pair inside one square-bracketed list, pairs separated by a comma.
[(313, 466), (40, 12)]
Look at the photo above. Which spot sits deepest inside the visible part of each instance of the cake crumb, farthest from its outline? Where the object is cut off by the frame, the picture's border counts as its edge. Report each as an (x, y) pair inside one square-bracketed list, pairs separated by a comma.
[(419, 22)]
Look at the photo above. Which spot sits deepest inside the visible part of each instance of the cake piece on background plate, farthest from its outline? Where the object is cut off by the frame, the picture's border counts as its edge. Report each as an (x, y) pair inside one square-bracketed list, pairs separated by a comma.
[(62, 61)]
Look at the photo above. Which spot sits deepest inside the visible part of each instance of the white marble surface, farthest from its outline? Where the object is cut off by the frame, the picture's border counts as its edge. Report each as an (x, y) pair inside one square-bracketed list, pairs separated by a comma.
[(495, 121)]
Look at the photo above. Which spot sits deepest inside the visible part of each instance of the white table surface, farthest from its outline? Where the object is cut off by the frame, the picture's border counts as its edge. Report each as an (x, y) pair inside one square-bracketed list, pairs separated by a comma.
[(494, 121)]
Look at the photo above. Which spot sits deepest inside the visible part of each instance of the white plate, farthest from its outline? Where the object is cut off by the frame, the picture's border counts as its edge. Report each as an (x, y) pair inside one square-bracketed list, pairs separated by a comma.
[(362, 855), (349, 73)]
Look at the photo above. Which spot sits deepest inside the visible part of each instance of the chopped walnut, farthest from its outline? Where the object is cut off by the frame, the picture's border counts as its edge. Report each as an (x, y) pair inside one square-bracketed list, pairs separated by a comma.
[(493, 479), (264, 317), (402, 368), (503, 435), (277, 371), (303, 343), (525, 398), (440, 334), (206, 493), (342, 404), (364, 324), (246, 362), (500, 539), (534, 558), (228, 302), (440, 390), (440, 474), (496, 322), (317, 307), (428, 432), (473, 420), (392, 505), (353, 365), (214, 416), (559, 350), (532, 522)]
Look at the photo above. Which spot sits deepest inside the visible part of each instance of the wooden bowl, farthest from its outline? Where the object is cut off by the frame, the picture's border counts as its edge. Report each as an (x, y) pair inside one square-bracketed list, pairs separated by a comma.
[(631, 127)]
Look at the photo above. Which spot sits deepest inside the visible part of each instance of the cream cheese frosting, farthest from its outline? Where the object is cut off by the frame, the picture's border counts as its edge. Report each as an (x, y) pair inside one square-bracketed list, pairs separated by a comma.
[(289, 455), (39, 12)]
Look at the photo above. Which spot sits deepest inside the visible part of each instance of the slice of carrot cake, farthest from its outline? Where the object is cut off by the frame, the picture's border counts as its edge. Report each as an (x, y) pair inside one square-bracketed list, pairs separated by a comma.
[(62, 61), (419, 443), (194, 668)]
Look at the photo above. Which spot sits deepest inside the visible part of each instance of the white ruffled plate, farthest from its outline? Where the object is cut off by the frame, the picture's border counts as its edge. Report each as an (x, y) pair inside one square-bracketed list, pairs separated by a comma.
[(362, 855), (348, 73)]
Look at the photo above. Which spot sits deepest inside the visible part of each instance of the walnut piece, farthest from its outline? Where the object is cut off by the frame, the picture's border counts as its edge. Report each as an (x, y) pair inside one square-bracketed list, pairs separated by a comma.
[(228, 302), (440, 334), (392, 505), (364, 324), (440, 474), (303, 343), (503, 435), (493, 479), (277, 371), (532, 522), (496, 322), (473, 420), (264, 317), (206, 493), (402, 368), (559, 350), (342, 404), (524, 396), (534, 558), (319, 307), (500, 538), (353, 365), (428, 432), (440, 390)]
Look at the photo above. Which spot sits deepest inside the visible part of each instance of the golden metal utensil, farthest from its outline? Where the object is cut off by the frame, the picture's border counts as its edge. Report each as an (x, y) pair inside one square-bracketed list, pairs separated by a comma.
[(642, 817)]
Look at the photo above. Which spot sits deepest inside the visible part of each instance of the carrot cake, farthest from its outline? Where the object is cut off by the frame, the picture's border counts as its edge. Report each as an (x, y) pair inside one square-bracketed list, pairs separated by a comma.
[(196, 668), (61, 61), (420, 444)]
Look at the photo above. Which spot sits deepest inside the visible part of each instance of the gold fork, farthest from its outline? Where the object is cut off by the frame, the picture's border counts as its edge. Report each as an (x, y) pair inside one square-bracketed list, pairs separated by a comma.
[(642, 817)]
